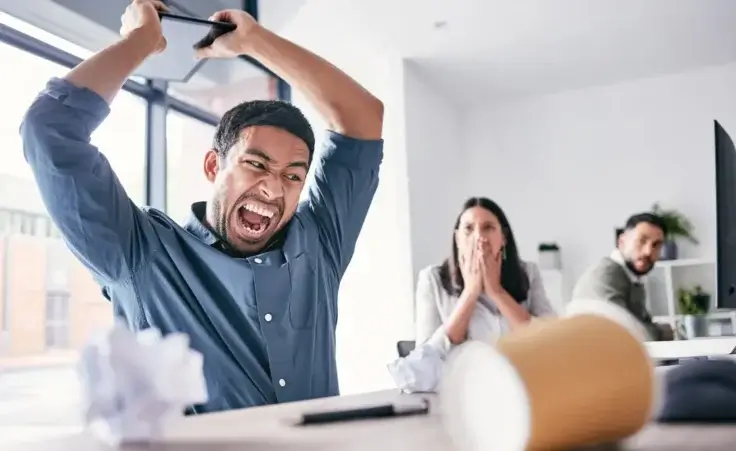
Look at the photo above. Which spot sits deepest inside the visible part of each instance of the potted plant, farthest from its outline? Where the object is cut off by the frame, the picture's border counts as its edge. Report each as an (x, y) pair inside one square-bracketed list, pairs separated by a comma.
[(678, 226), (694, 305), (549, 256)]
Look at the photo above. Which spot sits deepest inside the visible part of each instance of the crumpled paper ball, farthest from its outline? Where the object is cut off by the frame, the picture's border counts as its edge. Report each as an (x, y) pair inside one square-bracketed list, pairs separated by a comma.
[(420, 371), (133, 384)]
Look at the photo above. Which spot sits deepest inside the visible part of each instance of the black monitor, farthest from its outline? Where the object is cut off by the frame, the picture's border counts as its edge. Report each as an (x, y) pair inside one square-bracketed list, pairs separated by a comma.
[(725, 219)]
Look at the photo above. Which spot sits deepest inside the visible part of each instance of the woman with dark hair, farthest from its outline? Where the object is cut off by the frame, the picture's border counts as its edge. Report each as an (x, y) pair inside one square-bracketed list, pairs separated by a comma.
[(484, 289)]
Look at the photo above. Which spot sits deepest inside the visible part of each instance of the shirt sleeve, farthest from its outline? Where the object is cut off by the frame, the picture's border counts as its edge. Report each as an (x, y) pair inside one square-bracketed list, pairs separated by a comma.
[(82, 194), (539, 304), (343, 181), (428, 324)]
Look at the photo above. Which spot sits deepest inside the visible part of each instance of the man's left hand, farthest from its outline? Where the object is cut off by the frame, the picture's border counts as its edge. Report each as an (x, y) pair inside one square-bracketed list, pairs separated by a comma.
[(234, 43)]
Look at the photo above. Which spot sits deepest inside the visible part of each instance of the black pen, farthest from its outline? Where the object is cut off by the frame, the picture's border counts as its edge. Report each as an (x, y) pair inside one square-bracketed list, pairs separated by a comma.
[(364, 413)]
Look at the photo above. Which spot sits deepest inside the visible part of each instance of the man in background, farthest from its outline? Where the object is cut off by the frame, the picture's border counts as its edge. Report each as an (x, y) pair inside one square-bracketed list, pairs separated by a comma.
[(618, 278)]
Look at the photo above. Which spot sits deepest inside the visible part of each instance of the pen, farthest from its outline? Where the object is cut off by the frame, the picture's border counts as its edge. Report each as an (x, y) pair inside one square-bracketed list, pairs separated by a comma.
[(363, 413)]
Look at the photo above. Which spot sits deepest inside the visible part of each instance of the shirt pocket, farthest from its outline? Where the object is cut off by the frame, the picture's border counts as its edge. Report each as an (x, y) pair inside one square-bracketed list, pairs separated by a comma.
[(303, 297)]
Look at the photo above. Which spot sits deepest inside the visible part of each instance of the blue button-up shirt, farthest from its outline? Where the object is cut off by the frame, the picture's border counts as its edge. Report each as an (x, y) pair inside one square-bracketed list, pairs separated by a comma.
[(265, 324)]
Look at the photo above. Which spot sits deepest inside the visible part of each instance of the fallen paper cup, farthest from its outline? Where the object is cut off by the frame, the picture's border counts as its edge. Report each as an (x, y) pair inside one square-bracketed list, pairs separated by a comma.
[(563, 383)]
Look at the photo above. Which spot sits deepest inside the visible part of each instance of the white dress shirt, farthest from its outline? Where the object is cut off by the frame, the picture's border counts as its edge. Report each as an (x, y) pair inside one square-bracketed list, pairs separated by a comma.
[(434, 305)]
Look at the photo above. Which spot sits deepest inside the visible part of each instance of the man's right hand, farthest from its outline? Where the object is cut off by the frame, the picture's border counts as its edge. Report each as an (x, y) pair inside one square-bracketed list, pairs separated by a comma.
[(235, 43), (142, 16)]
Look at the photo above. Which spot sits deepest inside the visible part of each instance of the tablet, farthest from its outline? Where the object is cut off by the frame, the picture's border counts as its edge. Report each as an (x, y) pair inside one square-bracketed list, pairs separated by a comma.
[(183, 35)]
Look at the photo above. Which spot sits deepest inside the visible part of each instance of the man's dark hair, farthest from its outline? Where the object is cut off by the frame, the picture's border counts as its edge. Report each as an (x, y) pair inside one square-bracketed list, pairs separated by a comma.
[(649, 218), (274, 113)]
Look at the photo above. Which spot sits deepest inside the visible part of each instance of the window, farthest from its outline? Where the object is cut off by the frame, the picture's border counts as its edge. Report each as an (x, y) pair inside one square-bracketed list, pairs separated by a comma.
[(221, 84), (57, 319), (49, 303), (187, 141)]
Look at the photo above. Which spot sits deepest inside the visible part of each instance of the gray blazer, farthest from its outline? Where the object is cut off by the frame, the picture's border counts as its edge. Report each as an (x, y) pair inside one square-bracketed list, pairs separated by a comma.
[(434, 306), (609, 281)]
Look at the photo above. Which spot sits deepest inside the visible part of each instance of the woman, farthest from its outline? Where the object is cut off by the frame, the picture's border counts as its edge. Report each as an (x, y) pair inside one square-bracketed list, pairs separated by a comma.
[(484, 289)]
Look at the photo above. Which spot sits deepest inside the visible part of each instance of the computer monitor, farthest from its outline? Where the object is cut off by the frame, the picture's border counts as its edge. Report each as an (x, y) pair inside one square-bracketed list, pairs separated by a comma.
[(725, 218)]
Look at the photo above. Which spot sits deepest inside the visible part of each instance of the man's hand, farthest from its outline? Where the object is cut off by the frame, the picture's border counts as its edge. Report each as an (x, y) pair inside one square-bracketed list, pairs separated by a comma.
[(142, 16), (665, 332), (234, 43)]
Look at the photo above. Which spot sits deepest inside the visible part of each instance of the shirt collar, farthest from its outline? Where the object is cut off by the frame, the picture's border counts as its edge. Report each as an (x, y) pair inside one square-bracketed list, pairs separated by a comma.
[(618, 257), (195, 224), (286, 240)]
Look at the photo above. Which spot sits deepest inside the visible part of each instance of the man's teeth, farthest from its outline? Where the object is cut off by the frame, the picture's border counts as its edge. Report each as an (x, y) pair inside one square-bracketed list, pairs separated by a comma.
[(253, 231), (259, 210)]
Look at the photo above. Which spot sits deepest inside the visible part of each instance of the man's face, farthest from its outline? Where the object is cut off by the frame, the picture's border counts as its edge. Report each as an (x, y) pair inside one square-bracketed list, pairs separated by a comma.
[(256, 186), (641, 247)]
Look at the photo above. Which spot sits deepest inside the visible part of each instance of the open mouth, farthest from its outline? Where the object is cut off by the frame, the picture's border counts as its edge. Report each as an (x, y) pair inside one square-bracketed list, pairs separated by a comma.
[(255, 219)]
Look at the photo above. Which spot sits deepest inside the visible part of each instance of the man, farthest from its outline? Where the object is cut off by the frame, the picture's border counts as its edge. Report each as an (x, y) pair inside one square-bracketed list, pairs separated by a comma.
[(618, 278), (253, 276)]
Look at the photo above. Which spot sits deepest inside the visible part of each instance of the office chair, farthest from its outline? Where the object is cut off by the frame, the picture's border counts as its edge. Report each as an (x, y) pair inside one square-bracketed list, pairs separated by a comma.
[(404, 347)]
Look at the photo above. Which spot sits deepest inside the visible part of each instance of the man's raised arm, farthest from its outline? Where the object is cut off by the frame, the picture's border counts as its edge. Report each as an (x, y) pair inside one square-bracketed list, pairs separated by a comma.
[(345, 172), (101, 225), (347, 107)]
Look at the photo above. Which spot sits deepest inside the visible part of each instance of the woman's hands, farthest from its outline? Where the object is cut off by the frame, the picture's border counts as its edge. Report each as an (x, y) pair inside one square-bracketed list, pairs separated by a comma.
[(471, 268), (480, 266), (490, 263)]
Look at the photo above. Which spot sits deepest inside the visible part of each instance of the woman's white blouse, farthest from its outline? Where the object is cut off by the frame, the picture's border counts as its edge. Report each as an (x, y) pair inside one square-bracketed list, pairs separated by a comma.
[(434, 306)]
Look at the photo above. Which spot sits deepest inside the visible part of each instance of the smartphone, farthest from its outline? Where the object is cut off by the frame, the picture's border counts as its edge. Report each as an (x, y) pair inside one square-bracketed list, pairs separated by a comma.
[(184, 35)]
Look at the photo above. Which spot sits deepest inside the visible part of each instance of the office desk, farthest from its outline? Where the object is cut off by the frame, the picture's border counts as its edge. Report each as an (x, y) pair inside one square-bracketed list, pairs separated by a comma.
[(270, 428), (707, 347)]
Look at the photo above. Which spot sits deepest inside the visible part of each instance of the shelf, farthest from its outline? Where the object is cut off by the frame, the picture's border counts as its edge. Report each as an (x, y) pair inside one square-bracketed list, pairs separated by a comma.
[(712, 315), (683, 262)]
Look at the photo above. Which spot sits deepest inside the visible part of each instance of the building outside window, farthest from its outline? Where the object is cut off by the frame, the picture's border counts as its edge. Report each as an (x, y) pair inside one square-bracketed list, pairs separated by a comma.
[(57, 320)]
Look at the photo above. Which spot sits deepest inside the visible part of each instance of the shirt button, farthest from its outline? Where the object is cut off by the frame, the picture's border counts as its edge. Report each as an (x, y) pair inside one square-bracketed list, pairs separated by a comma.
[(258, 260), (268, 317), (282, 382)]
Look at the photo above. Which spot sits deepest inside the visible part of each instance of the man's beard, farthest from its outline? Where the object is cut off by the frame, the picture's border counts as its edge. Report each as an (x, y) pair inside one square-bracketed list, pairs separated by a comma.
[(220, 224), (632, 268), (220, 229)]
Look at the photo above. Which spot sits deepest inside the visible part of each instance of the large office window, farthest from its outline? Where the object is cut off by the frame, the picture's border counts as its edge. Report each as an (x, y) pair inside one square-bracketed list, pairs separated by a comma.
[(49, 304), (222, 84), (187, 141)]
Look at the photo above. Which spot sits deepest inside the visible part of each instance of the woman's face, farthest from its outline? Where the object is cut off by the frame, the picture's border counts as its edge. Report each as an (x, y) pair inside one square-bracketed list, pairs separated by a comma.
[(477, 223)]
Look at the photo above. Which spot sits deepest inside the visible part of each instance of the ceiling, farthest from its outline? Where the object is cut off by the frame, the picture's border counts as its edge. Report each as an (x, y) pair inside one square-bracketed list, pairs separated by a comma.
[(502, 49)]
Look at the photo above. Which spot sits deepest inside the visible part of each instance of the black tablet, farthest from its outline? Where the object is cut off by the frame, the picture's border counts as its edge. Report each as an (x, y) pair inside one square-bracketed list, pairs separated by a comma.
[(183, 36)]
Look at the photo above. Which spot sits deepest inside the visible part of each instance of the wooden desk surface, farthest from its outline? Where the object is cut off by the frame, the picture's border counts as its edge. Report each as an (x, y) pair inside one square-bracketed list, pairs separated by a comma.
[(271, 428)]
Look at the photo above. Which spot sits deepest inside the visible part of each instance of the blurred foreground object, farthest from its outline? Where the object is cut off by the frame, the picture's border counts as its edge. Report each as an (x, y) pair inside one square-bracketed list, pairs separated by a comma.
[(700, 391), (557, 384), (132, 385)]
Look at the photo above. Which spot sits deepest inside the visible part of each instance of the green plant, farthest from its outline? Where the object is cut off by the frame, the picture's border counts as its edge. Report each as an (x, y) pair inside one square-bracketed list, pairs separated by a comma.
[(693, 302), (676, 223)]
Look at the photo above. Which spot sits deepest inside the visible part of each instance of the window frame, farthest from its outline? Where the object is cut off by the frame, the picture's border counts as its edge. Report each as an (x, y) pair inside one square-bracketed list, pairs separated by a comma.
[(158, 103)]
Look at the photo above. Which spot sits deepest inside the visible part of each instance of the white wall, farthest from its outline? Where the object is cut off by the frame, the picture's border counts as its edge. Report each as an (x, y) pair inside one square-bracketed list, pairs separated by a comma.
[(376, 292), (434, 156), (571, 167), (409, 225)]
